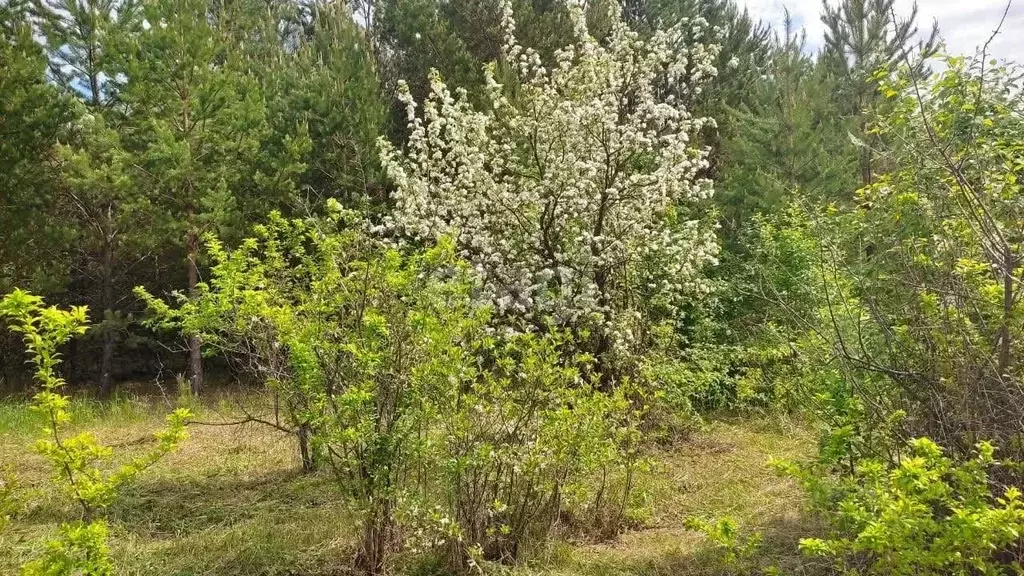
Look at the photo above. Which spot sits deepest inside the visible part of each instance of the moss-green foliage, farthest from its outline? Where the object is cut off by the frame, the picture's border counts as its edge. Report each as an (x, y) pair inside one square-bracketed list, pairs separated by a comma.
[(204, 155), (33, 116), (329, 84)]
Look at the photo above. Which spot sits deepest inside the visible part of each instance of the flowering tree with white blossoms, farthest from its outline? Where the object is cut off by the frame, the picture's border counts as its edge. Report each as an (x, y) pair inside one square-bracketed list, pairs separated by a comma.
[(574, 192)]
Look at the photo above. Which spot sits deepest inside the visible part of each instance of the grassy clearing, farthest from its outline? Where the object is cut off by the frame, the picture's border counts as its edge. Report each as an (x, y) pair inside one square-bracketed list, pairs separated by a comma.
[(722, 471), (232, 501)]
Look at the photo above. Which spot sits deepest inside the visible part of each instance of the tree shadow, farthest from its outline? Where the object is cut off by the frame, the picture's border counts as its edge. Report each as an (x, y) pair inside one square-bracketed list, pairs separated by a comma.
[(169, 506)]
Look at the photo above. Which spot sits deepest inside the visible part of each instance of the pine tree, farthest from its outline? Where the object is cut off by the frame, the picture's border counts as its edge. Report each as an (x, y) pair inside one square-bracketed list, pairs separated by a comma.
[(82, 39), (861, 37), (200, 135), (312, 64), (329, 84), (788, 142), (79, 36), (409, 37), (33, 116), (459, 38)]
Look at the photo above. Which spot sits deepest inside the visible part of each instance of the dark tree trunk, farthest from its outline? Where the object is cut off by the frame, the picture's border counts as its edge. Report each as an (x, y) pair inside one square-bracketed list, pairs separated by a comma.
[(107, 359), (603, 363), (109, 337), (308, 459), (1004, 330), (195, 357), (602, 351), (866, 157)]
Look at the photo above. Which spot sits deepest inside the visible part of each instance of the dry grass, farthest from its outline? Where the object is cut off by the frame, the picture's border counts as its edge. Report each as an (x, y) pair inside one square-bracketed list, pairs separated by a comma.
[(231, 501)]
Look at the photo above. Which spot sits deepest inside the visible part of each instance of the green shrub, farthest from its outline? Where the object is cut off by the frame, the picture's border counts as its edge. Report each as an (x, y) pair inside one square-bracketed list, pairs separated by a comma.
[(79, 549), (737, 550), (527, 442), (925, 515), (444, 431)]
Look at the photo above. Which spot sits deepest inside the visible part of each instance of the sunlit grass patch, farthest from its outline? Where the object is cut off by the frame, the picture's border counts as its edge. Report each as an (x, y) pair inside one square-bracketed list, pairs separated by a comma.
[(722, 471)]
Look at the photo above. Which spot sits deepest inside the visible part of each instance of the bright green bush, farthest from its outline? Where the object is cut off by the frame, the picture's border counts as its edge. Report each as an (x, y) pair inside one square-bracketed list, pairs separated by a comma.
[(352, 335), (926, 515), (737, 549), (79, 549), (444, 431), (916, 282), (908, 307)]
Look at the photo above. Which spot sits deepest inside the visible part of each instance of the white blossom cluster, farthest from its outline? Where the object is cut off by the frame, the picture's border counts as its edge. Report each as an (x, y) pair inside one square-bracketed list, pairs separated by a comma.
[(569, 194)]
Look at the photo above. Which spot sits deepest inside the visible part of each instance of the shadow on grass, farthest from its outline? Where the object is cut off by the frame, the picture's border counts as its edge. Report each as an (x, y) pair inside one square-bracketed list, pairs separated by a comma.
[(781, 544), (171, 506), (277, 523)]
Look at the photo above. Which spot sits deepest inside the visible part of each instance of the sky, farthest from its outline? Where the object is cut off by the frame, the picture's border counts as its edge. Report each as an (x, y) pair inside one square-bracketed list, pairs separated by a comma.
[(964, 24)]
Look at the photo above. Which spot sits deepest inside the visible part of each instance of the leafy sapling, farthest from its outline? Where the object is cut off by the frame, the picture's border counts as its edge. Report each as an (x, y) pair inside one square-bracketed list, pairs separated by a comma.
[(80, 547), (10, 502), (927, 515), (738, 550)]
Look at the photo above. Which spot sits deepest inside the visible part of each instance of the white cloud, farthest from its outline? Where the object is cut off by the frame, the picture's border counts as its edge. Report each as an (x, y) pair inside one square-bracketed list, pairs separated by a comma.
[(964, 24)]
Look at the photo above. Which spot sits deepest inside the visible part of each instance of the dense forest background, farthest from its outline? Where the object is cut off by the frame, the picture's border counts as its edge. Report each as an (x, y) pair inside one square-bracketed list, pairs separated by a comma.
[(492, 266), (125, 142)]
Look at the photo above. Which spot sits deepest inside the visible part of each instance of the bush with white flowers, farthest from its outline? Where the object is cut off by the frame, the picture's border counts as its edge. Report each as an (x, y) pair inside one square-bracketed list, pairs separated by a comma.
[(576, 192)]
